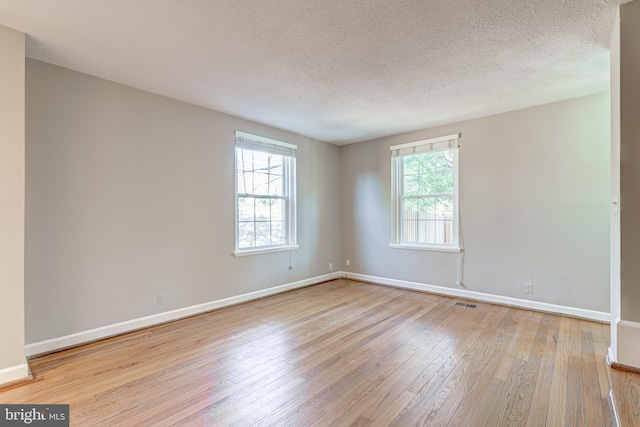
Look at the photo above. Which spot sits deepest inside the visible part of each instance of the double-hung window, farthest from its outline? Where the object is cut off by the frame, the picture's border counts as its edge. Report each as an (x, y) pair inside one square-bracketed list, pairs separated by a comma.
[(265, 195), (425, 194)]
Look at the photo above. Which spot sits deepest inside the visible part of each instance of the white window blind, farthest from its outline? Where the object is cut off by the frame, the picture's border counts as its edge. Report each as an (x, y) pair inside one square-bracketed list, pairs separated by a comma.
[(434, 144), (259, 143)]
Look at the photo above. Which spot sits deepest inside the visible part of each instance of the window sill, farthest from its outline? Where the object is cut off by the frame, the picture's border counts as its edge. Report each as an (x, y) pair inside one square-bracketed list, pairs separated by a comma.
[(250, 252), (433, 248)]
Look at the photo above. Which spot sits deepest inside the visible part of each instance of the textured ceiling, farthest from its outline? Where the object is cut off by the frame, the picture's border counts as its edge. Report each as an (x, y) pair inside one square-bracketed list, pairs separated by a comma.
[(336, 70)]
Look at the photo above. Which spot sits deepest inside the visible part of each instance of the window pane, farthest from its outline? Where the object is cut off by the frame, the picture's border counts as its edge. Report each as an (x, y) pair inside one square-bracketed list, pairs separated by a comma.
[(263, 233), (277, 210), (275, 164), (427, 220), (411, 185), (409, 230), (246, 235), (261, 184), (427, 205), (263, 209), (246, 208), (245, 182), (442, 232), (443, 182), (277, 233), (411, 165), (244, 159), (276, 185), (240, 182), (428, 173), (444, 207), (410, 204), (261, 161)]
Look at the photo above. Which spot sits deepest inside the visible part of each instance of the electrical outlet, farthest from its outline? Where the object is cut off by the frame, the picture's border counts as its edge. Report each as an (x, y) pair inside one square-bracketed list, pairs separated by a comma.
[(528, 288), (160, 298), (330, 266), (348, 263)]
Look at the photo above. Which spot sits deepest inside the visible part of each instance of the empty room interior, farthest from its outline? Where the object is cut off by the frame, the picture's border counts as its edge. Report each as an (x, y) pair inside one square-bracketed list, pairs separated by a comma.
[(320, 213)]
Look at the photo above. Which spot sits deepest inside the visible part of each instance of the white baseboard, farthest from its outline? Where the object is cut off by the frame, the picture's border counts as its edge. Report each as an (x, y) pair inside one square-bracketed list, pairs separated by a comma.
[(56, 344), (628, 339), (598, 316), (14, 373), (611, 358)]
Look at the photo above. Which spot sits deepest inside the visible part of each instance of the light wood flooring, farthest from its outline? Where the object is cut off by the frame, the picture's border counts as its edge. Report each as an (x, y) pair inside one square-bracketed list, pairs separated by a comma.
[(625, 395), (339, 353)]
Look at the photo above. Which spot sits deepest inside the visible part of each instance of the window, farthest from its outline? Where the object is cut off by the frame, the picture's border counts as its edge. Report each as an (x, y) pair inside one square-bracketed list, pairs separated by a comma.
[(265, 195), (425, 194)]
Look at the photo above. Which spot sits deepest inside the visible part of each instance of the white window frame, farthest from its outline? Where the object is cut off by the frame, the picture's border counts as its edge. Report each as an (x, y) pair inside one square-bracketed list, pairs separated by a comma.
[(248, 141), (449, 142)]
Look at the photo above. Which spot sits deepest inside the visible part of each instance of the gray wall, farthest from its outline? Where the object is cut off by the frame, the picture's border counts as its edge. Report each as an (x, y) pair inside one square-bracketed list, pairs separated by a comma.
[(534, 206), (130, 194), (614, 234), (630, 160), (12, 187)]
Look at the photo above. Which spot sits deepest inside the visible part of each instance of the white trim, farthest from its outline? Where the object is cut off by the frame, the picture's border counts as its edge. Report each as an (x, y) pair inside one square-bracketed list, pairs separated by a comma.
[(598, 316), (14, 373), (257, 138), (397, 197), (613, 348), (78, 338), (432, 248), (628, 342), (426, 141), (610, 359), (270, 250), (55, 344), (289, 196)]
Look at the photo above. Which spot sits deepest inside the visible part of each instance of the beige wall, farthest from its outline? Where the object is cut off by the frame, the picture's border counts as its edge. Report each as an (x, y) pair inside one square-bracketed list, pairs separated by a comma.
[(12, 170), (534, 200), (130, 194)]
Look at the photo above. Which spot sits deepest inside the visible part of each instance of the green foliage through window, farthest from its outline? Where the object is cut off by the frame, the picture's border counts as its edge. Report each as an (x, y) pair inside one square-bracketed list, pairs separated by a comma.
[(427, 197)]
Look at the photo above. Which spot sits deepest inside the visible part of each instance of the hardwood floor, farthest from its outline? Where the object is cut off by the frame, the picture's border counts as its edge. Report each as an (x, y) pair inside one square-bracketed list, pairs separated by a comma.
[(339, 353), (625, 395)]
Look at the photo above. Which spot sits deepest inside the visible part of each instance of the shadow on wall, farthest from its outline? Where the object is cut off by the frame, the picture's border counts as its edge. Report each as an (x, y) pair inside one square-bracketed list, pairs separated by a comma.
[(372, 217), (308, 215)]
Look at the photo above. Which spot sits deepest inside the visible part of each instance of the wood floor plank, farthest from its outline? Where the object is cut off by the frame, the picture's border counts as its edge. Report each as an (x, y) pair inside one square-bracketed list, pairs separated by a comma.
[(556, 412), (625, 390), (540, 400), (339, 353), (392, 379), (433, 395), (478, 379)]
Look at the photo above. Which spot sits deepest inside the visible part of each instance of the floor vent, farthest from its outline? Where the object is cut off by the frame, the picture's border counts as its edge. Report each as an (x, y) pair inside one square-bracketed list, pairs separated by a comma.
[(462, 304)]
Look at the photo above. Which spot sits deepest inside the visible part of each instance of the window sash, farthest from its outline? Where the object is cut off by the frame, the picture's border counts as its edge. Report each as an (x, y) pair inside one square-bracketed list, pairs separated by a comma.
[(287, 218), (398, 153)]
